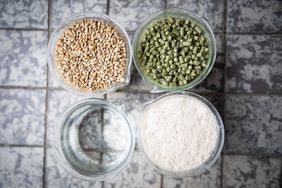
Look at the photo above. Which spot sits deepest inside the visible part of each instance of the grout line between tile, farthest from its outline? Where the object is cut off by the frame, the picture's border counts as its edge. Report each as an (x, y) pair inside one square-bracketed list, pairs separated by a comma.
[(23, 29), (221, 175), (224, 91), (102, 131), (22, 87), (22, 146), (108, 7), (274, 156), (162, 181), (44, 178), (258, 34)]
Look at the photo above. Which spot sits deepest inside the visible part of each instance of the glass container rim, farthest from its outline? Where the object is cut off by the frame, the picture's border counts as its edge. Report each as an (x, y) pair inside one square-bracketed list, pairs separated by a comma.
[(52, 44), (57, 147), (189, 14)]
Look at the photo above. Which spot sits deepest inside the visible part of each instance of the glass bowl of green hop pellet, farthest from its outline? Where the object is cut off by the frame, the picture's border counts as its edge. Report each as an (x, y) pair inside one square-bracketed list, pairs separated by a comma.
[(174, 49)]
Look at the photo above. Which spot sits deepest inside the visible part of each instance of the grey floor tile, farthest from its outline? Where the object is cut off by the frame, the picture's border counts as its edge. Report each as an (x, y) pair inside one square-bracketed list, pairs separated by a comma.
[(138, 173), (24, 14), (209, 179), (63, 9), (217, 100), (57, 177), (21, 167), (52, 82), (249, 171), (253, 64), (253, 124), (131, 13), (254, 16), (59, 101), (23, 58), (22, 116), (212, 11)]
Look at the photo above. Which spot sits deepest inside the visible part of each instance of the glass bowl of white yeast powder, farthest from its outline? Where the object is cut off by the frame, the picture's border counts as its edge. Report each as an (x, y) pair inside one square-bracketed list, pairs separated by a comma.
[(181, 134)]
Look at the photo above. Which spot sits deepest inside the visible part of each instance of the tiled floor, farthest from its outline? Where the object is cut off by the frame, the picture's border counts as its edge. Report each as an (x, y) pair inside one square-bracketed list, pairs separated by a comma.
[(245, 86)]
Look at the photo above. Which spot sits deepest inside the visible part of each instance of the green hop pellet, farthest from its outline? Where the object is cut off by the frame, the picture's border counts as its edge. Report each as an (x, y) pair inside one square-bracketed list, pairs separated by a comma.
[(173, 51)]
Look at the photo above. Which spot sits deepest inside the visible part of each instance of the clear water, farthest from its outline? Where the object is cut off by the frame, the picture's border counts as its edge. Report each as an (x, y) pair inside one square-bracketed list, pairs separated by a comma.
[(95, 139)]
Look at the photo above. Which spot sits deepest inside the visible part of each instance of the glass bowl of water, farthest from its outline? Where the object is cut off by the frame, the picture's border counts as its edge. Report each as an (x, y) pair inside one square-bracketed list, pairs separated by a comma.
[(95, 140)]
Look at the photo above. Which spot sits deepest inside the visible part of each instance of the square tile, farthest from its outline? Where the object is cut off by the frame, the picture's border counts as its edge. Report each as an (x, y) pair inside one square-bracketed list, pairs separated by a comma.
[(57, 177), (59, 102), (23, 58), (138, 173), (21, 167), (24, 14), (253, 124), (131, 13), (254, 64), (254, 16), (249, 171), (210, 178), (22, 116), (63, 9), (212, 11)]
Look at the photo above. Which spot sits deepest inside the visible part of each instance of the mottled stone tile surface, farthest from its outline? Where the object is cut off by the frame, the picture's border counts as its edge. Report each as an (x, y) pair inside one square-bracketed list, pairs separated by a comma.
[(209, 179), (21, 167), (212, 11), (254, 64), (57, 177), (248, 171), (59, 102), (23, 58), (22, 116), (24, 14), (253, 124), (131, 13), (217, 100), (138, 173), (249, 16), (63, 9)]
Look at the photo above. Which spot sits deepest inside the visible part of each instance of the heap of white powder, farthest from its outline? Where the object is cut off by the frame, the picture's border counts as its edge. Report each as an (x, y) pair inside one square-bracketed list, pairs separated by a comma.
[(178, 132)]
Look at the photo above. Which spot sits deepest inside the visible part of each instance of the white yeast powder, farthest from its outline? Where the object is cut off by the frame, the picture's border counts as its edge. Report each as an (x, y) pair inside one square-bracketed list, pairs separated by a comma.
[(178, 132)]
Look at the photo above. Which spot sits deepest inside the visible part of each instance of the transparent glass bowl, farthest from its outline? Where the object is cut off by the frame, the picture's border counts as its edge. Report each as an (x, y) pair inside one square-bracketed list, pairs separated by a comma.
[(213, 156), (207, 31), (95, 140), (52, 47)]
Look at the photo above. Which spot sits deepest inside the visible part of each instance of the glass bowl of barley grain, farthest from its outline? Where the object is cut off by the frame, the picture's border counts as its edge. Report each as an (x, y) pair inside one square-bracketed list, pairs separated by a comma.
[(90, 53)]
